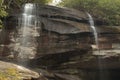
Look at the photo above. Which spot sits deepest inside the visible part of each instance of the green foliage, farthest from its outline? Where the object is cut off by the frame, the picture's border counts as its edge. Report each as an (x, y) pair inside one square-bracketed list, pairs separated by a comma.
[(41, 1), (10, 74), (3, 13), (106, 10)]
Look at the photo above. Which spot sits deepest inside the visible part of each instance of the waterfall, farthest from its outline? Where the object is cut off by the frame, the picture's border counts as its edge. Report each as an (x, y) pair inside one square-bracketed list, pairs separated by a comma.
[(28, 24), (100, 63), (91, 21)]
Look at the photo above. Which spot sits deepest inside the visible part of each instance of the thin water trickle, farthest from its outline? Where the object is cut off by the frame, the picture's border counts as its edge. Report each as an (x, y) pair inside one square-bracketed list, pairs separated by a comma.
[(100, 66), (28, 24), (91, 21)]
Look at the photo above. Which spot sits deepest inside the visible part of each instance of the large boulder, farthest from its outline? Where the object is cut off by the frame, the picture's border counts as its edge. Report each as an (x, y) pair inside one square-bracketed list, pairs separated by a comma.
[(16, 72)]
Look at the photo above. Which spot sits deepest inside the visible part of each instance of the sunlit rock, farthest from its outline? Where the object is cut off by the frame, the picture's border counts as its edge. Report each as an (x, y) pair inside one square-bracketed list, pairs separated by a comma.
[(17, 71)]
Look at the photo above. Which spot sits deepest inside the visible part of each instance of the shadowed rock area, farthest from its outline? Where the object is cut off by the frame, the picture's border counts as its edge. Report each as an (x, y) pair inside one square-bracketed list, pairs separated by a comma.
[(64, 48)]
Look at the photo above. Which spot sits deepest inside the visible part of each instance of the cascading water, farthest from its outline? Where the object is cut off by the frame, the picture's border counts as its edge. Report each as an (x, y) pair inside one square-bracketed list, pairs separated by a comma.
[(91, 21), (28, 24), (100, 66)]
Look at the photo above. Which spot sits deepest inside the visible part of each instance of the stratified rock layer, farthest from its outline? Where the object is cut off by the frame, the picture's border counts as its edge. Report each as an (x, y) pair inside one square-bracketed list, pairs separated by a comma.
[(65, 47)]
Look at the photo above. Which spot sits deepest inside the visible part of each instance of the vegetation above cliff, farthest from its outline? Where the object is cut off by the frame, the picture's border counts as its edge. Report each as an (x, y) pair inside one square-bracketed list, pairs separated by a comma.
[(3, 13), (106, 10)]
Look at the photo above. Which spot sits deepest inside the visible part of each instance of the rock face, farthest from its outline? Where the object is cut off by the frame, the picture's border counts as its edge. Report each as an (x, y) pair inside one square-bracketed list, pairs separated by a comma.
[(56, 33), (64, 46), (18, 72)]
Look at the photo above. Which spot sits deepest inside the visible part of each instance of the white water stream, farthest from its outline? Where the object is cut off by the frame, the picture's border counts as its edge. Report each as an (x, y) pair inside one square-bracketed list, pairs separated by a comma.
[(100, 63), (28, 32), (91, 21)]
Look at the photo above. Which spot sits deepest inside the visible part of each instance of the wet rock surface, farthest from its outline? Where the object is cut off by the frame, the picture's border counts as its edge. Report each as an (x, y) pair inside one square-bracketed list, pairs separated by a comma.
[(64, 48)]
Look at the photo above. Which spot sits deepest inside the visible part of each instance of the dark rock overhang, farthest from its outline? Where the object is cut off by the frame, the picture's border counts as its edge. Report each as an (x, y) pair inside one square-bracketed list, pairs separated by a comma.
[(62, 20)]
